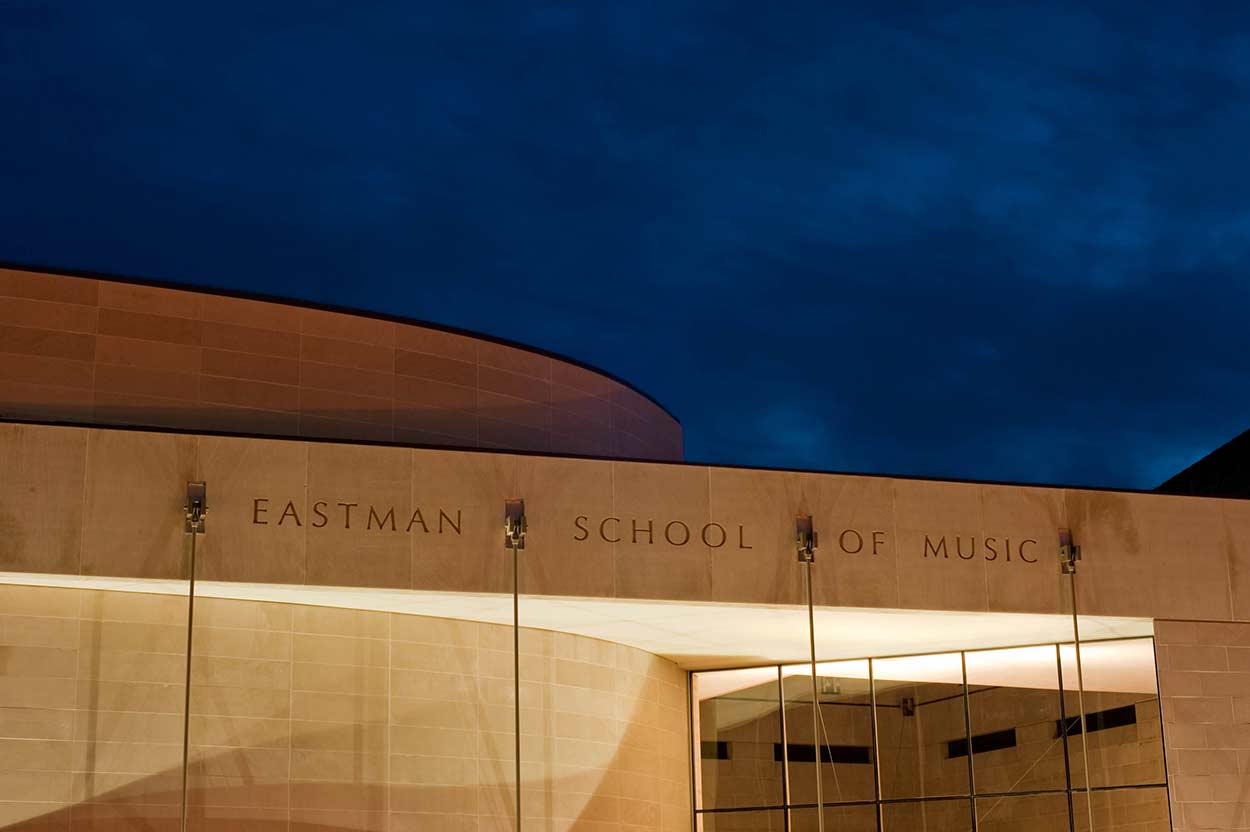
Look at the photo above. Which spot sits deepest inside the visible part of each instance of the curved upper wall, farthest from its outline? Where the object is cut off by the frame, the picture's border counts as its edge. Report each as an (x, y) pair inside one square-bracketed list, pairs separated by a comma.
[(101, 351)]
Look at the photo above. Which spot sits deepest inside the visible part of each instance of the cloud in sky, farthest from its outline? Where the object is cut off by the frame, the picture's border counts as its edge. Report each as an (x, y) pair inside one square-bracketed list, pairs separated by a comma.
[(1004, 242)]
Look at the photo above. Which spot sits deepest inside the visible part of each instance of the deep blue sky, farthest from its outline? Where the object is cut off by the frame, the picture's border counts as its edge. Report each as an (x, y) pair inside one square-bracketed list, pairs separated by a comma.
[(973, 240)]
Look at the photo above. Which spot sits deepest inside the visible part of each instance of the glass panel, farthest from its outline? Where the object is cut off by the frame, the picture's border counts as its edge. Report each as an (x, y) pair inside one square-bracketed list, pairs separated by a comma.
[(837, 819), (739, 737), (1123, 810), (1121, 729), (1035, 813), (927, 816), (741, 821), (1013, 706), (920, 724), (845, 732)]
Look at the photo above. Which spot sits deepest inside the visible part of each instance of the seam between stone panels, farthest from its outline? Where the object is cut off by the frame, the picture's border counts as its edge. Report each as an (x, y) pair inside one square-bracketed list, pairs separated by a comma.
[(307, 477), (1228, 564), (707, 553), (986, 584), (477, 399), (86, 473), (612, 503)]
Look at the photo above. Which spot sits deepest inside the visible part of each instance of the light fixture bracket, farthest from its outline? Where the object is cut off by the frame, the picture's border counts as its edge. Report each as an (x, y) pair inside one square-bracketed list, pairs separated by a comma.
[(1069, 552), (805, 539), (514, 524), (195, 507)]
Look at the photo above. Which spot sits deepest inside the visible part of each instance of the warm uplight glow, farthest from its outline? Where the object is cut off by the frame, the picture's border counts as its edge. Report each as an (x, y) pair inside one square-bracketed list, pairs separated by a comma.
[(695, 635)]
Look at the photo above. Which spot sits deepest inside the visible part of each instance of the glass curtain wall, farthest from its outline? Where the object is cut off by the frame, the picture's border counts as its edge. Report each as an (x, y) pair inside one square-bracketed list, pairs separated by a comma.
[(949, 733), (1059, 736), (1112, 721)]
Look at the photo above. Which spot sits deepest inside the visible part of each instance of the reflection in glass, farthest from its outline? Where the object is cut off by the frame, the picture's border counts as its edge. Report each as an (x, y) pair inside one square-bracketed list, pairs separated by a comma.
[(860, 818), (927, 816), (1011, 736), (921, 725), (844, 730), (1013, 707), (1120, 728), (1010, 813), (739, 729), (1139, 810), (774, 821)]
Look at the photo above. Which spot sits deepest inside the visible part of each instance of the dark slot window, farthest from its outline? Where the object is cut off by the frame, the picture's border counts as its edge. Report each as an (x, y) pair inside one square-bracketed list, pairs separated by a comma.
[(802, 753), (717, 750), (1099, 720), (993, 741)]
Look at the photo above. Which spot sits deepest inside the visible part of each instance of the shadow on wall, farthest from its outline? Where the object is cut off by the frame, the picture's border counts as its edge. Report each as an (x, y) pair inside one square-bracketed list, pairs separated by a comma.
[(323, 718), (600, 796), (578, 426)]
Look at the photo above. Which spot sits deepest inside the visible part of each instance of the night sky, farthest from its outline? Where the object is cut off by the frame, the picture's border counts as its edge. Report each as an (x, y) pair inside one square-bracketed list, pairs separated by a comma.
[(986, 240)]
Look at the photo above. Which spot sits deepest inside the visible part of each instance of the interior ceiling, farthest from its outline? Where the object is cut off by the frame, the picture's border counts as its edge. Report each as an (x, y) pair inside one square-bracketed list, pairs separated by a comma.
[(1118, 665), (695, 635)]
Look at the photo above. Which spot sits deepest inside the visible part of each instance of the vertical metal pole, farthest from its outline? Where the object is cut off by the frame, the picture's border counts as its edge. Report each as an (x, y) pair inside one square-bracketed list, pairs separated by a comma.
[(514, 539), (1080, 700), (516, 675), (811, 641), (696, 757), (186, 693), (1063, 721), (876, 745), (785, 749), (972, 776), (195, 507)]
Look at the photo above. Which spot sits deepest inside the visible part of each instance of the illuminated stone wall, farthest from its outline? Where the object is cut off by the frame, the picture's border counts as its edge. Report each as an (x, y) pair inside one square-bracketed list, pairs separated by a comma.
[(1204, 676), (322, 718)]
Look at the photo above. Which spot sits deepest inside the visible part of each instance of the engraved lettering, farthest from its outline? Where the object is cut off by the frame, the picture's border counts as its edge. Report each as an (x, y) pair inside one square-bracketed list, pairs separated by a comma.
[(742, 544), (321, 515), (289, 511), (940, 547), (603, 529), (442, 515), (1025, 557), (258, 510), (417, 519), (723, 535), (959, 548), (347, 513), (668, 533), (650, 530), (859, 541), (878, 539), (381, 521), (579, 522)]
